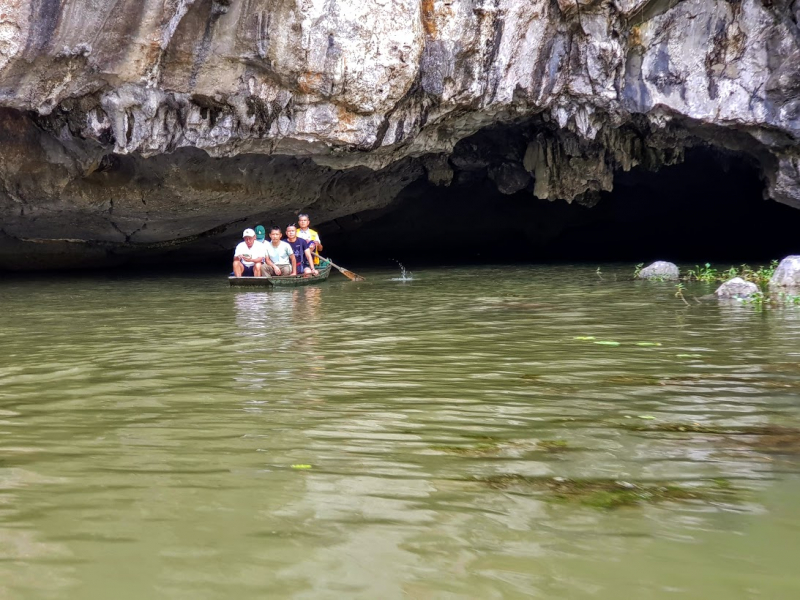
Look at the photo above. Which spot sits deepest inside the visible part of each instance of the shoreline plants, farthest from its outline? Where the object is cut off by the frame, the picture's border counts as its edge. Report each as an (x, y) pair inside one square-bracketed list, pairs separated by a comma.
[(760, 275), (708, 274)]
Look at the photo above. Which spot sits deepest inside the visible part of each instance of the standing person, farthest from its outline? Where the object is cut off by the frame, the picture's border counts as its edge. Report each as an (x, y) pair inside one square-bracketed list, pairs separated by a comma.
[(302, 252), (248, 256), (280, 256), (306, 233)]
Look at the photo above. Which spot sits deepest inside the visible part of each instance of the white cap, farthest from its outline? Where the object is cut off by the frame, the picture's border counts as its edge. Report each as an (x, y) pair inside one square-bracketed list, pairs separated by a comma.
[(248, 233)]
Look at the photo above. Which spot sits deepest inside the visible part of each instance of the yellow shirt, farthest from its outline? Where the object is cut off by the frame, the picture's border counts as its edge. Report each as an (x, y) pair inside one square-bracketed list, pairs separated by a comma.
[(310, 236)]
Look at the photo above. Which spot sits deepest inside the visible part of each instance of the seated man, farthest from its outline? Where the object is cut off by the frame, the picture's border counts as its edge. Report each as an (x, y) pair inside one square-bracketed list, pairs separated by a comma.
[(312, 237), (302, 252), (261, 234), (248, 256), (280, 256)]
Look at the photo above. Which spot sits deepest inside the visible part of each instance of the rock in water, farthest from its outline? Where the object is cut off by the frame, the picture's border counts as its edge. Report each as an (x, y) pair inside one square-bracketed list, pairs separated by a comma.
[(660, 269), (787, 275), (736, 288)]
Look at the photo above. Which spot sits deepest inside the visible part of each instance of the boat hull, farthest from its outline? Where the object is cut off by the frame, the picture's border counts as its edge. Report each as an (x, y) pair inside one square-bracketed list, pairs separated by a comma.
[(283, 281)]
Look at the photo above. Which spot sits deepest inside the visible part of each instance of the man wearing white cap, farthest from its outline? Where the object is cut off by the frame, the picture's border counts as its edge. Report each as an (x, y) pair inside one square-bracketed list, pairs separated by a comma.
[(248, 256)]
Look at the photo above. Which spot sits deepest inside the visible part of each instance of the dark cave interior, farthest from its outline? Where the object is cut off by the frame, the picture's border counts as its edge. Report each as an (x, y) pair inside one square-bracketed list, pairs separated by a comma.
[(707, 208)]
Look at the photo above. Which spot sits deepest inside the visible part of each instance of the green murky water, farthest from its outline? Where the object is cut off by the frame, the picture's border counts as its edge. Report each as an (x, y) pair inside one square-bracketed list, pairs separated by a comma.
[(174, 438)]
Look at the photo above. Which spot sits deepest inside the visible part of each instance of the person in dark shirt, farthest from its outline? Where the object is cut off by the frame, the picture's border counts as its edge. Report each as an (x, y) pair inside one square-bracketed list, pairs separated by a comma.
[(302, 251)]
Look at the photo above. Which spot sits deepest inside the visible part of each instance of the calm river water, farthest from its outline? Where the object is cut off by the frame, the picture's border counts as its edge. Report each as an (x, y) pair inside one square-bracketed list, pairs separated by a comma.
[(170, 437)]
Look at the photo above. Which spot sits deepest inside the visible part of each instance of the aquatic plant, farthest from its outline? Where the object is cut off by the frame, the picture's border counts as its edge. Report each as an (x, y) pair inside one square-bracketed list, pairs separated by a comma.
[(610, 494), (482, 449), (637, 270), (705, 273), (769, 439), (679, 289), (553, 445), (759, 276), (760, 300), (757, 300), (708, 274)]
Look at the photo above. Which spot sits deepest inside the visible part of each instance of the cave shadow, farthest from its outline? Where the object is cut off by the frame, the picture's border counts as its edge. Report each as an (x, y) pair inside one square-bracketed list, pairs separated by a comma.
[(708, 208)]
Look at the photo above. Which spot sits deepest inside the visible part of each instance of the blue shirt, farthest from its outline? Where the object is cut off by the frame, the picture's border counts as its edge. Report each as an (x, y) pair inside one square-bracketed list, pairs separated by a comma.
[(299, 247)]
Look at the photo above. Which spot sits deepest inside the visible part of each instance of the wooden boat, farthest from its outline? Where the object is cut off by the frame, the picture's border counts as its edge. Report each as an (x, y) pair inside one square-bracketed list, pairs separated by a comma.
[(282, 281)]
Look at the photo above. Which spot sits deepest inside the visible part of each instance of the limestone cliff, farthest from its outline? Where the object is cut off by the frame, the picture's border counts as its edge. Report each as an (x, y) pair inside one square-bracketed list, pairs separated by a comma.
[(140, 125)]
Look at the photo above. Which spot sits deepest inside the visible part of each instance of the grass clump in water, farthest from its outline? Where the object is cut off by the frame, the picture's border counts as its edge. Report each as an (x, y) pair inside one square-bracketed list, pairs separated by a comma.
[(553, 445), (610, 494), (483, 449), (489, 447), (760, 275), (769, 439)]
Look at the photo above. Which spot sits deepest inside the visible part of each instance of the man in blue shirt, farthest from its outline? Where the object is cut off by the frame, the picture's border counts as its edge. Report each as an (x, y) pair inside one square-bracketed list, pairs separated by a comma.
[(302, 252)]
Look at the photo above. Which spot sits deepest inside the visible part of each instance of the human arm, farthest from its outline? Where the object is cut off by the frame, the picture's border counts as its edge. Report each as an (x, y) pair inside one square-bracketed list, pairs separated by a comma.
[(271, 265), (294, 263), (245, 255)]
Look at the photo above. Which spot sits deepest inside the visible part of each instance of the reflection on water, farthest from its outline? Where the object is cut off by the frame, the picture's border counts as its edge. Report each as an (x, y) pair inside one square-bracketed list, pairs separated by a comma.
[(385, 439)]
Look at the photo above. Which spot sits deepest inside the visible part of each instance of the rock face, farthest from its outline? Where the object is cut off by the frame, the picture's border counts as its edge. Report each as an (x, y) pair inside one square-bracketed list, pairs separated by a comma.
[(787, 275), (665, 271), (139, 126), (736, 288)]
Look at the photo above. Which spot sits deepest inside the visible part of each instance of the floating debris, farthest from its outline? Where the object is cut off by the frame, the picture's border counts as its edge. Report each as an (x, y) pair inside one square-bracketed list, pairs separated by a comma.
[(769, 439), (689, 355), (485, 449), (584, 337), (607, 343), (648, 343), (611, 494), (486, 446), (553, 445), (301, 466)]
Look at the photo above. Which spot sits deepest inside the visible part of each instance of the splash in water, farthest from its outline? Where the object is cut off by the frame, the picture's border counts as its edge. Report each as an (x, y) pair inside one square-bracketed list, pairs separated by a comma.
[(404, 274)]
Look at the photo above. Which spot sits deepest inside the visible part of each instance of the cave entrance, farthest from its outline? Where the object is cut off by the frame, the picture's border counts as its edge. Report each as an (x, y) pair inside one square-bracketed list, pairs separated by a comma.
[(708, 208)]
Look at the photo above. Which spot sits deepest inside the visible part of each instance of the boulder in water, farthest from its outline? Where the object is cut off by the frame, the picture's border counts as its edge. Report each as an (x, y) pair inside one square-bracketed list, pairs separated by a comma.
[(661, 270), (787, 275), (736, 288)]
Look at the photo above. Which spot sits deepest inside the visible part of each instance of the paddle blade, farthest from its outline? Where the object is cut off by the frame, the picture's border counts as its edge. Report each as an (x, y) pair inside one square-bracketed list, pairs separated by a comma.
[(351, 276)]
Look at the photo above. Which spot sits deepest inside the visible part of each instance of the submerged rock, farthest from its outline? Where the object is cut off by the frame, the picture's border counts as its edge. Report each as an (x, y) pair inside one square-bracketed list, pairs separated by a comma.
[(787, 275), (660, 270), (736, 288)]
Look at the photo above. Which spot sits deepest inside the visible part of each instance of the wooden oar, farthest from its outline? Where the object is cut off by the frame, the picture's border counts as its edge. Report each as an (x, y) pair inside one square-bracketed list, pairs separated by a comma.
[(349, 274)]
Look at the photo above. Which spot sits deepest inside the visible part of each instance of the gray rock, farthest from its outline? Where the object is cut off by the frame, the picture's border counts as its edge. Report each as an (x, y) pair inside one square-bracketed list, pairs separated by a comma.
[(660, 269), (736, 288), (509, 178), (787, 275)]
